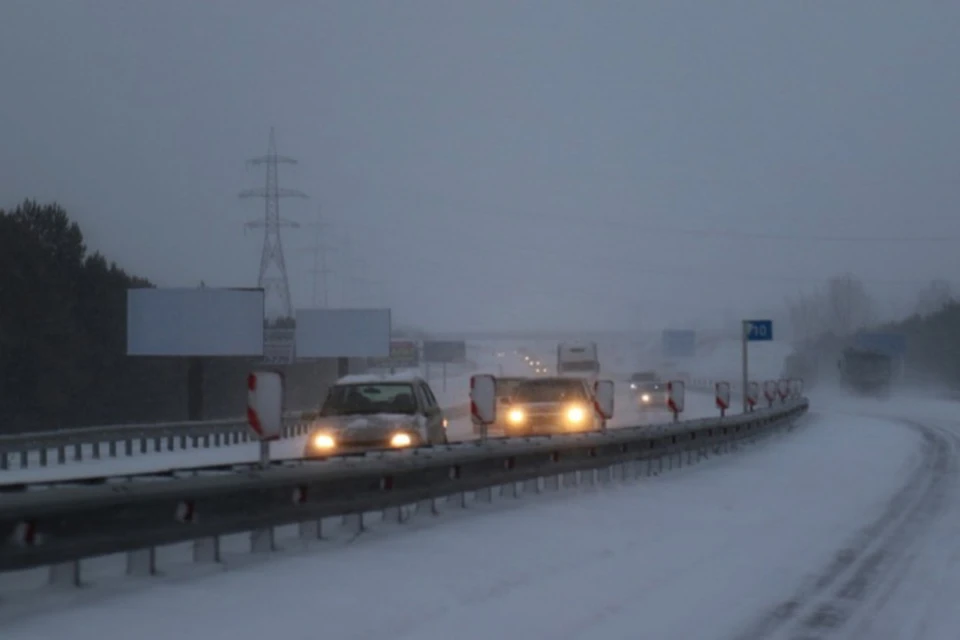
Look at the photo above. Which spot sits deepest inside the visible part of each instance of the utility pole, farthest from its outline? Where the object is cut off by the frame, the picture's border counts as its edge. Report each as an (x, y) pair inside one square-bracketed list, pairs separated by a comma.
[(320, 270), (273, 267)]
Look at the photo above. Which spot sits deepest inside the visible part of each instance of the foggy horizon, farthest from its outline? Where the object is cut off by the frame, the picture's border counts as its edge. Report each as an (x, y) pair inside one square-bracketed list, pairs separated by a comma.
[(553, 166)]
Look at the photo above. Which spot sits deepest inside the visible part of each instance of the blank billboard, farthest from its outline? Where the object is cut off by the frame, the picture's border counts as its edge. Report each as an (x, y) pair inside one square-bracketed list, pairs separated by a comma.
[(445, 351), (343, 333), (195, 322)]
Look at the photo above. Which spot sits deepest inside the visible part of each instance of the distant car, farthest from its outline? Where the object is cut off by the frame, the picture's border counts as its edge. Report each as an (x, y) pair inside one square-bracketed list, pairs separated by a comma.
[(643, 377), (651, 395), (371, 412), (552, 405)]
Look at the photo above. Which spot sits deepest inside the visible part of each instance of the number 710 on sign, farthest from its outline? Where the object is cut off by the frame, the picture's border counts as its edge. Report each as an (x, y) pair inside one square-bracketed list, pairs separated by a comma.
[(758, 330)]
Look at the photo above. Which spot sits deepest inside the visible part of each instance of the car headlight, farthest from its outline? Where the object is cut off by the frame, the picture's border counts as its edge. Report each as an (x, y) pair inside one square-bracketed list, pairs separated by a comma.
[(324, 441), (576, 414), (633, 386), (515, 416), (645, 397), (401, 440)]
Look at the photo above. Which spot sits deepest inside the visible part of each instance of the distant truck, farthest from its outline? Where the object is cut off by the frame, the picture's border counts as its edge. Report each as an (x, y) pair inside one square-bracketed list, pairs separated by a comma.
[(578, 359), (866, 372)]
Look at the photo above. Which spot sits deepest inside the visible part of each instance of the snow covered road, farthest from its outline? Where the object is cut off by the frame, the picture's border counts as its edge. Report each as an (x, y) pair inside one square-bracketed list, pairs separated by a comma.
[(845, 527)]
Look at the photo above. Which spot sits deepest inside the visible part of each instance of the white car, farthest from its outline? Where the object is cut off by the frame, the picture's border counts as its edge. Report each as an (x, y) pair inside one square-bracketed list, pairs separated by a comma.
[(370, 412)]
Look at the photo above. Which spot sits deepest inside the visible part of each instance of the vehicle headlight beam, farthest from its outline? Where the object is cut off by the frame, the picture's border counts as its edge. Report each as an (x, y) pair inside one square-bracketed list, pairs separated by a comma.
[(401, 440)]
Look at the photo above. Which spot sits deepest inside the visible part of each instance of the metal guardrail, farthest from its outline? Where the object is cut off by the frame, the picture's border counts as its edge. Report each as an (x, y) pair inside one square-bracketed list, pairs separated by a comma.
[(62, 526), (28, 450)]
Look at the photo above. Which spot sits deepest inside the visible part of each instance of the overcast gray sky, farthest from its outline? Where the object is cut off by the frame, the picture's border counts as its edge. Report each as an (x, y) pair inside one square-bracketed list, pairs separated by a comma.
[(513, 163)]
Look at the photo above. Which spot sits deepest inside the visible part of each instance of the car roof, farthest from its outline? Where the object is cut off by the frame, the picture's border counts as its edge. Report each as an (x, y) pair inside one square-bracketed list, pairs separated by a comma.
[(375, 378)]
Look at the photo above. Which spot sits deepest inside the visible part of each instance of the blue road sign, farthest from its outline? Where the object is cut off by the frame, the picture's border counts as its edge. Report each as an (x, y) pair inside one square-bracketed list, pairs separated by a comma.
[(891, 344), (759, 330), (679, 344)]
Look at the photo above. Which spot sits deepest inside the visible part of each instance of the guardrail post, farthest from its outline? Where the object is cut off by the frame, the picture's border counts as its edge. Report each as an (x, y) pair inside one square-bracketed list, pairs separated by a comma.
[(142, 562), (65, 575), (207, 550), (262, 540), (43, 457), (428, 506), (394, 515), (24, 459)]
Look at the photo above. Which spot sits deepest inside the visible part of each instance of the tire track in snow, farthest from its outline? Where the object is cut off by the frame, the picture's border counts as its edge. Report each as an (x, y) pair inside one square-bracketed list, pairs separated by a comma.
[(827, 604)]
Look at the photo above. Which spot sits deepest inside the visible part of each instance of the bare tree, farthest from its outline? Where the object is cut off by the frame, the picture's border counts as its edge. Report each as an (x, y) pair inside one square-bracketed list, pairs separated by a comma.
[(934, 297), (805, 314), (848, 305)]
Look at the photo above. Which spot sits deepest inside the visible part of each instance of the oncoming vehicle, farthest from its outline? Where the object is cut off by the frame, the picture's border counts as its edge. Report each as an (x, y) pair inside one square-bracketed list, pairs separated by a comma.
[(651, 395), (362, 413), (551, 405), (578, 359), (643, 377)]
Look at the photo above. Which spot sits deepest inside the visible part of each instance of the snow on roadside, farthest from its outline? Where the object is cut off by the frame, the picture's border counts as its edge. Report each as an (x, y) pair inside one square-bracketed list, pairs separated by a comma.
[(694, 553)]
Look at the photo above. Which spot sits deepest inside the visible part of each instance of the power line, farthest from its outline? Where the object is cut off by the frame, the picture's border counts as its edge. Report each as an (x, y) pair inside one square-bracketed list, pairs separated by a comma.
[(485, 212)]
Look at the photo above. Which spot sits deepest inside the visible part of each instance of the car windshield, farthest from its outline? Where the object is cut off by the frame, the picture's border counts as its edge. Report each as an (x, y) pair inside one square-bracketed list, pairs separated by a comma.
[(549, 391), (366, 399), (643, 377), (650, 386)]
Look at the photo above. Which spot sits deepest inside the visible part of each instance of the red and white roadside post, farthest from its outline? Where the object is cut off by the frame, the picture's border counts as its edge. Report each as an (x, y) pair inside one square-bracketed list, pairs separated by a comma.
[(783, 388), (265, 409), (753, 395), (603, 394), (796, 388), (483, 402), (675, 398), (770, 391), (722, 394)]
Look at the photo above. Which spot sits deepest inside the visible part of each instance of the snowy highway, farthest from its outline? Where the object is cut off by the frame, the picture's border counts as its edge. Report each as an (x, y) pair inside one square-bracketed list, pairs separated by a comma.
[(845, 527)]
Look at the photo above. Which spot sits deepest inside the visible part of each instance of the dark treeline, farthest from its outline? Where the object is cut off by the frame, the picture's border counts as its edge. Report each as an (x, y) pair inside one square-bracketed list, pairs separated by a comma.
[(933, 345), (827, 321), (63, 356)]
